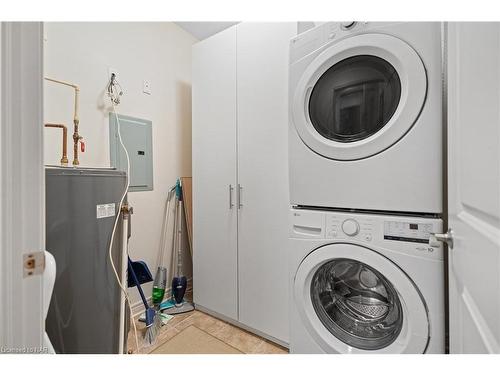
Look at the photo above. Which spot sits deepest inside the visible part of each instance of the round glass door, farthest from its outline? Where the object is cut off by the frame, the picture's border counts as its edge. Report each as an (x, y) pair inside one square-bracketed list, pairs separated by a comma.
[(359, 96), (354, 98), (352, 299), (357, 304)]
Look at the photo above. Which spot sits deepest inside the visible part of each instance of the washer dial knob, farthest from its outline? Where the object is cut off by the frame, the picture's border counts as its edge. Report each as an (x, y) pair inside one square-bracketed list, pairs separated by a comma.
[(350, 227)]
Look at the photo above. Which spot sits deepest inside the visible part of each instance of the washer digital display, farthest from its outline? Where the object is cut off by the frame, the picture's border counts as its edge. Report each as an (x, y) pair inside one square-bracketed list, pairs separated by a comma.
[(406, 231)]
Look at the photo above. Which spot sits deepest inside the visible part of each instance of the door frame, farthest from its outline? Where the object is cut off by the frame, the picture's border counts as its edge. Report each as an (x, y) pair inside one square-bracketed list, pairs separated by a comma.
[(22, 187)]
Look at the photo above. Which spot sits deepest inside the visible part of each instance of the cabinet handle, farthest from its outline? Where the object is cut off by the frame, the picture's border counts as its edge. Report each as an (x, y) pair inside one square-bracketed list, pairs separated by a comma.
[(231, 205), (240, 189)]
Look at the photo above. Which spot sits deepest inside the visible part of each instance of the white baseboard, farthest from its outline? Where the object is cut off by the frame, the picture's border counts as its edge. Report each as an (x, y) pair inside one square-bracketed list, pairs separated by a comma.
[(138, 307)]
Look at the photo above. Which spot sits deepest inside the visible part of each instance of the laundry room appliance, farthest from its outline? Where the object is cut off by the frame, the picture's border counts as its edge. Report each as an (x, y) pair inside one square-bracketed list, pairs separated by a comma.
[(365, 283), (365, 115), (84, 316)]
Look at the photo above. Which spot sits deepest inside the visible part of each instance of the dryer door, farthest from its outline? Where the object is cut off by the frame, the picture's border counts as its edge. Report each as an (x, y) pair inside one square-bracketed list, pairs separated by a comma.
[(354, 300), (359, 97)]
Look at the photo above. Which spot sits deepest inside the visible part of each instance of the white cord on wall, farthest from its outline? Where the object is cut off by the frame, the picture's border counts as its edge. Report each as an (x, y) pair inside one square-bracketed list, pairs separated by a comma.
[(122, 287)]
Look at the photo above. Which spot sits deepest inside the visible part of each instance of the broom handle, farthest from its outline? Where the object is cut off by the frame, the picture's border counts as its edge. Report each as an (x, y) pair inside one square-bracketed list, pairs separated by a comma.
[(179, 238), (174, 240), (163, 243), (134, 276)]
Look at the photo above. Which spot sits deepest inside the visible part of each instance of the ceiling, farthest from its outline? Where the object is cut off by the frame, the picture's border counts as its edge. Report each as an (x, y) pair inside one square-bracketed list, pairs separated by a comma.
[(203, 30)]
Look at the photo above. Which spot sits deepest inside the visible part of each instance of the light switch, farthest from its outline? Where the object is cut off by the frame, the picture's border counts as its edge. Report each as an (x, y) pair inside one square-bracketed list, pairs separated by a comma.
[(146, 87)]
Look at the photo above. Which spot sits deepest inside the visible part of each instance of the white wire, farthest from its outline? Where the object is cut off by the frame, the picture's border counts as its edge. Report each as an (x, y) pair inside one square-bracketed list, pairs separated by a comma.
[(124, 290)]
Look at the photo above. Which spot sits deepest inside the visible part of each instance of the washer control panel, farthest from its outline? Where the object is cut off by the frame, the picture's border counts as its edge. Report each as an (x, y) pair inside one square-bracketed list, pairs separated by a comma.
[(407, 231), (365, 228), (339, 226), (400, 234), (350, 227)]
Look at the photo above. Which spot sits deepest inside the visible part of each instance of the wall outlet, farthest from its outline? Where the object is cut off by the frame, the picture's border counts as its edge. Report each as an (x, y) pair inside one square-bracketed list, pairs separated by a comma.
[(146, 87)]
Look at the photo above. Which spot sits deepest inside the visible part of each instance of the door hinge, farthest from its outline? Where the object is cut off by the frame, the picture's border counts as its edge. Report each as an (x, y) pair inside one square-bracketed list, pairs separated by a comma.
[(33, 263)]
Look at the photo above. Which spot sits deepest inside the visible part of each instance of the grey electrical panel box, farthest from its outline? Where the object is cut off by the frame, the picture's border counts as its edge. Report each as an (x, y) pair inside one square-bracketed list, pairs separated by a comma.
[(136, 135)]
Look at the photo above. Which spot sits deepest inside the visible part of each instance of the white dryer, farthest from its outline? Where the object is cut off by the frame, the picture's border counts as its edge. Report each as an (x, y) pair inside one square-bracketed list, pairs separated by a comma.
[(365, 283), (365, 113)]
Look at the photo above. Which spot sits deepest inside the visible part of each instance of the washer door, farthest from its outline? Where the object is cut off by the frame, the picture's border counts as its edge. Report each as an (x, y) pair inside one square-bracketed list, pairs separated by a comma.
[(359, 97), (353, 300)]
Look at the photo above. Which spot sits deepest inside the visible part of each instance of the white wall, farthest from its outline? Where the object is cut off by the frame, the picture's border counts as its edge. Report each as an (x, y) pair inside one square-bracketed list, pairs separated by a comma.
[(158, 52)]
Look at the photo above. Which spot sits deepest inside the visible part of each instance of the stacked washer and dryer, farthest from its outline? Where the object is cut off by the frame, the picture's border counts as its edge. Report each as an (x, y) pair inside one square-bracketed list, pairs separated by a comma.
[(366, 188)]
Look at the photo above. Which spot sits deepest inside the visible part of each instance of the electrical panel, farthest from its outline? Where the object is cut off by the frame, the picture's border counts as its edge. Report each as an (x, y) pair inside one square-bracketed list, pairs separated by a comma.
[(136, 135)]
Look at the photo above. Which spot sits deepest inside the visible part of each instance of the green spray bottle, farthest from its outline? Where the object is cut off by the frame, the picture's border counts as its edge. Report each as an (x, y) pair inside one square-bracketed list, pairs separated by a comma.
[(159, 285)]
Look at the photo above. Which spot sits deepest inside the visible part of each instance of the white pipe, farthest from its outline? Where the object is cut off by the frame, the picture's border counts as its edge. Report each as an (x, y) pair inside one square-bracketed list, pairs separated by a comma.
[(62, 82), (77, 95), (123, 275)]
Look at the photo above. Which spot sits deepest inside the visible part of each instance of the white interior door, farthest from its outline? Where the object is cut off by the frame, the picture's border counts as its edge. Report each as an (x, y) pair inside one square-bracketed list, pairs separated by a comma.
[(215, 270), (22, 190), (474, 186), (263, 175)]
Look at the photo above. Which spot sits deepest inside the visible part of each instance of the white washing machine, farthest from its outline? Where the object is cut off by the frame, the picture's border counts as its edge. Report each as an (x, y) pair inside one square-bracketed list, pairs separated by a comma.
[(365, 283), (365, 113)]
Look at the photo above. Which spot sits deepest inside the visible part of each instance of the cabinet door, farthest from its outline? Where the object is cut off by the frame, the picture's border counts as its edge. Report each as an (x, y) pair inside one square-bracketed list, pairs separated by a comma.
[(263, 175), (214, 173)]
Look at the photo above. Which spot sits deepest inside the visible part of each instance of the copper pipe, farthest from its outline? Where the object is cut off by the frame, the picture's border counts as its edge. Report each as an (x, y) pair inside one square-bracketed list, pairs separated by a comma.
[(64, 159), (76, 138), (76, 121)]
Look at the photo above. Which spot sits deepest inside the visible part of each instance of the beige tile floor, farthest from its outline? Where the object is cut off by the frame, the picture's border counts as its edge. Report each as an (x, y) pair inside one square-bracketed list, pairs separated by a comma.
[(240, 339)]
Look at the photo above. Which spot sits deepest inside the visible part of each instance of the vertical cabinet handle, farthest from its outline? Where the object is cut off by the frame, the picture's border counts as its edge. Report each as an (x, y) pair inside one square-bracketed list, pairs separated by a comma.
[(231, 205), (240, 189)]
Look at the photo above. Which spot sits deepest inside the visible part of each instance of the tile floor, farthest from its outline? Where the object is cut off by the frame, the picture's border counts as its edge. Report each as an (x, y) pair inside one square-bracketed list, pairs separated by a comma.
[(240, 339)]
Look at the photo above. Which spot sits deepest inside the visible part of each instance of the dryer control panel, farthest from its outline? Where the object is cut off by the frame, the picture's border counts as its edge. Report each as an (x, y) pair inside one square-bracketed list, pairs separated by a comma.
[(321, 35)]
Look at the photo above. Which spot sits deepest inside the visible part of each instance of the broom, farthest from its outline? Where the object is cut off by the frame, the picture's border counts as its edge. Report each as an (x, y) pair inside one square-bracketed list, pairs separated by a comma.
[(153, 320), (179, 282)]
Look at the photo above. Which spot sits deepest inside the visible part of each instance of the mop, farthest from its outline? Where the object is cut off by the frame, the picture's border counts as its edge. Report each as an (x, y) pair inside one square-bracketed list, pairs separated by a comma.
[(160, 281), (179, 282)]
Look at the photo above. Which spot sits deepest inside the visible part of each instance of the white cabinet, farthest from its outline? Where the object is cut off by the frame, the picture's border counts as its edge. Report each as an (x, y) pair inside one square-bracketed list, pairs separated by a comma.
[(240, 139), (215, 277), (263, 175)]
